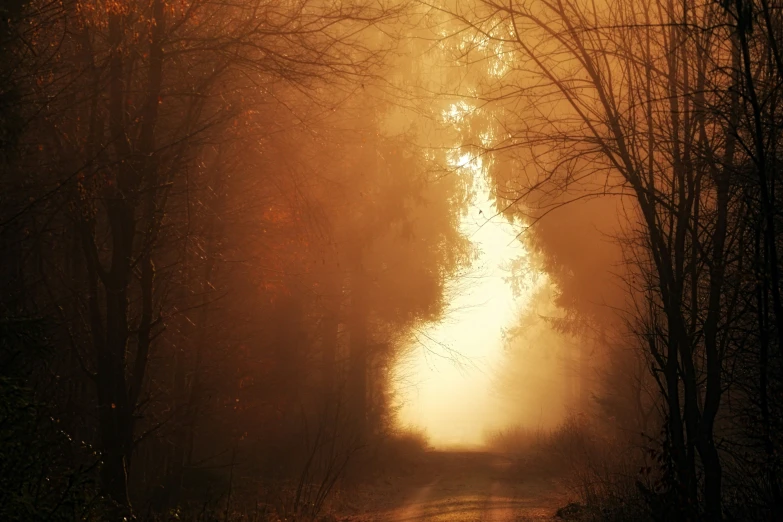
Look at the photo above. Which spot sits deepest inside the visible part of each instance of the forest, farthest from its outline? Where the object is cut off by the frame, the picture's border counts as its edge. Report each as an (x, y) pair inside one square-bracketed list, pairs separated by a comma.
[(227, 227)]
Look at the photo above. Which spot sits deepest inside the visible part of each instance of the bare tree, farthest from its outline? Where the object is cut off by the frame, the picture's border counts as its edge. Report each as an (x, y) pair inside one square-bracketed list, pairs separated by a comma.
[(136, 91), (633, 100)]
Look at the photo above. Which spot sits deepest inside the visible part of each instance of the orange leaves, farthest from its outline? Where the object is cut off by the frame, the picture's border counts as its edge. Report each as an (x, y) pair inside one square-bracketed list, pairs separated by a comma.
[(180, 7), (273, 289), (85, 7), (276, 215), (117, 7)]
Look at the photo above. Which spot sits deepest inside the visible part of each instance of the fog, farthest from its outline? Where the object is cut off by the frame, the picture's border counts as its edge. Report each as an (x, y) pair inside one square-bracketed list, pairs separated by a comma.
[(315, 260), (446, 382), (504, 355)]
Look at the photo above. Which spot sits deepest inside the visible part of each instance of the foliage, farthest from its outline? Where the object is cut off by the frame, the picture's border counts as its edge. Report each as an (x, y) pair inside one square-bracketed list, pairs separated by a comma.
[(44, 473), (228, 229)]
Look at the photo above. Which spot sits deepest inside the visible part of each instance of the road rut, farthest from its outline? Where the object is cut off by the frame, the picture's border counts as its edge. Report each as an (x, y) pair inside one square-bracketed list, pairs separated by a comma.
[(475, 486)]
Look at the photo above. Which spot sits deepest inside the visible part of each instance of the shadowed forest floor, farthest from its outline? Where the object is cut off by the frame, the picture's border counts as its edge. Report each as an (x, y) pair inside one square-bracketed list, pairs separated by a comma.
[(457, 486)]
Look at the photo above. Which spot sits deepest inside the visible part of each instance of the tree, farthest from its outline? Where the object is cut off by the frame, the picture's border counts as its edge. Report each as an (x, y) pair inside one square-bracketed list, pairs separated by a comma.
[(632, 100), (132, 94)]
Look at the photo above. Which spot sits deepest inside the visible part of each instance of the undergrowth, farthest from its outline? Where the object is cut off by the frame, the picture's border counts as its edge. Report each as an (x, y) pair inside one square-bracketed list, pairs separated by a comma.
[(603, 472)]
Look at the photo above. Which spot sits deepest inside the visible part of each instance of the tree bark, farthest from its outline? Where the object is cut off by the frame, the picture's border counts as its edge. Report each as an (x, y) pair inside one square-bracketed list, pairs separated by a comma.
[(358, 364), (329, 329)]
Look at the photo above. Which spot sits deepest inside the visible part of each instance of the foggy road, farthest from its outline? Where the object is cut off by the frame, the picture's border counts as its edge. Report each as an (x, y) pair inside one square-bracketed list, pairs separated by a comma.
[(477, 486)]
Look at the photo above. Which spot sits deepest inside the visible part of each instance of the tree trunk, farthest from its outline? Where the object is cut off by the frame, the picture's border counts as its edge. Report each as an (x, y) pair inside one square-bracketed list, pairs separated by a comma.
[(676, 435), (712, 477), (762, 314), (358, 365), (329, 330)]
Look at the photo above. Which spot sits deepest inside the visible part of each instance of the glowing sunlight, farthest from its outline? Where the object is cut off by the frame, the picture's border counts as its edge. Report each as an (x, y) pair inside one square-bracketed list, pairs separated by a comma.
[(445, 384)]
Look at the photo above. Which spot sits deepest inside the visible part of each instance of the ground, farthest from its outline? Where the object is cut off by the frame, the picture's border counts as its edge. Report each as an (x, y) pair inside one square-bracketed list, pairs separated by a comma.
[(460, 487)]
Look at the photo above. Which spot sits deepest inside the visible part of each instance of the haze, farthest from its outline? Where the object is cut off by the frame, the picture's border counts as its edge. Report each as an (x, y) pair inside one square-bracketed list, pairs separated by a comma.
[(390, 260)]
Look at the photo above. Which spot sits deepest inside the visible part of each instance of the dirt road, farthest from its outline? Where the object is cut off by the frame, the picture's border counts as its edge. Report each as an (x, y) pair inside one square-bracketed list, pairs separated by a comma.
[(475, 486)]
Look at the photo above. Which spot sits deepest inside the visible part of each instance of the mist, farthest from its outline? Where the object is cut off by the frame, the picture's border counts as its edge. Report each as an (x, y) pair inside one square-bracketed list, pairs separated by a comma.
[(390, 260)]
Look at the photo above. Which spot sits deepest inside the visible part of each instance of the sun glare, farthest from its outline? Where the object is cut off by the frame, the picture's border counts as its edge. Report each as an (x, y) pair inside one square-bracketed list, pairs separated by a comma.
[(445, 385)]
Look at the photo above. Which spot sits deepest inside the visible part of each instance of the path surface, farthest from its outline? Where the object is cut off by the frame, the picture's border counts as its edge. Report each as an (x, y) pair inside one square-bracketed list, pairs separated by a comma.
[(476, 486)]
